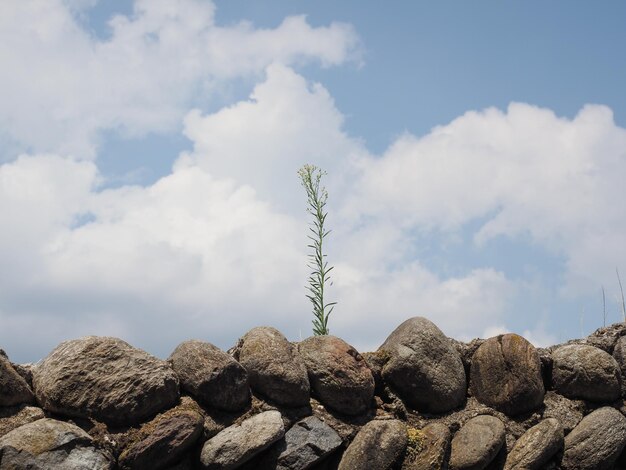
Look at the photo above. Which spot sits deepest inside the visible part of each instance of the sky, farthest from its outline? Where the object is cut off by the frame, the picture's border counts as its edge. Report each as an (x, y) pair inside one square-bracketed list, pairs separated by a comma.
[(475, 154)]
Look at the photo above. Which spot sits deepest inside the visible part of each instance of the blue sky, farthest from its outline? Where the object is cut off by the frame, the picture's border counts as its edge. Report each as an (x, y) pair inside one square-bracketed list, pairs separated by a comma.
[(475, 157)]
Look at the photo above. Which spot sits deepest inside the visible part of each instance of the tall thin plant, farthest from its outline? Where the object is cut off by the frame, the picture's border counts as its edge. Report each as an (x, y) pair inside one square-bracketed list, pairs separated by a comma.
[(311, 177)]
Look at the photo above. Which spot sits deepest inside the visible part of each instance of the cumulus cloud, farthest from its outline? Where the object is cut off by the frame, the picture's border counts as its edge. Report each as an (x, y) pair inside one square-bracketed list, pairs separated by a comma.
[(62, 86)]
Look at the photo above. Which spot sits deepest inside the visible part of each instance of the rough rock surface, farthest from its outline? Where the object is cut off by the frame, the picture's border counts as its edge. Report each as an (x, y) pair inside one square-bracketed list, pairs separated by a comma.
[(47, 443), (379, 444), (13, 388), (164, 440), (210, 375), (237, 444), (104, 378), (597, 441), (338, 374), (424, 367), (536, 446), (586, 372), (12, 417), (306, 444), (619, 354), (477, 443), (428, 448), (274, 366), (506, 375)]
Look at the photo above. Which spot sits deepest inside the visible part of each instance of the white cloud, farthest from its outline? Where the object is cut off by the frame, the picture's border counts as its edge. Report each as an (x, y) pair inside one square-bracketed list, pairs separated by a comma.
[(61, 86)]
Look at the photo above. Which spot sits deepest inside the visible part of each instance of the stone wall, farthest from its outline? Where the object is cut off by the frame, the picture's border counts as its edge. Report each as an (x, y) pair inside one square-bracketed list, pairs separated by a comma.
[(421, 401)]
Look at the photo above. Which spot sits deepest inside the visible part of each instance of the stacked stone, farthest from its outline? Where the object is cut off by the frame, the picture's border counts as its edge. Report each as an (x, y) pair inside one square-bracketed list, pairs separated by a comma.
[(421, 401)]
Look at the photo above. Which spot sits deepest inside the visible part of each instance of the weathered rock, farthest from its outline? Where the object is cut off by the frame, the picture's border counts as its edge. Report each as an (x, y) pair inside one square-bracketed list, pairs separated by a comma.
[(237, 444), (13, 417), (605, 338), (13, 388), (338, 374), (619, 354), (506, 375), (597, 441), (106, 379), (424, 368), (536, 446), (47, 443), (568, 412), (477, 443), (164, 440), (379, 444), (275, 368), (428, 448), (586, 372), (306, 444), (210, 375)]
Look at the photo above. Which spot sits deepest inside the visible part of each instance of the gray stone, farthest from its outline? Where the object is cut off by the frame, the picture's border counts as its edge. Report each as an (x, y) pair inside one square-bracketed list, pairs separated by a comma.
[(568, 412), (379, 444), (14, 390), (163, 440), (536, 446), (13, 417), (424, 367), (586, 372), (275, 368), (428, 448), (210, 375), (506, 375), (339, 376), (47, 444), (477, 443), (237, 444), (306, 444), (597, 441), (619, 354)]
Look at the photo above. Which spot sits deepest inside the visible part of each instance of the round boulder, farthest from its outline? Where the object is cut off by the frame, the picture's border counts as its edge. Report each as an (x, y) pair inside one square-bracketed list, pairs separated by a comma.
[(274, 366), (506, 374), (536, 447), (586, 372), (477, 443), (619, 354), (423, 367), (338, 374), (13, 388), (378, 445), (106, 379), (210, 375), (597, 441)]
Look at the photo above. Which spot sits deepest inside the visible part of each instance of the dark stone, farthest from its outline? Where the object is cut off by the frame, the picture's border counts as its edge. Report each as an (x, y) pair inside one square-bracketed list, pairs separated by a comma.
[(338, 374), (275, 369), (597, 441), (477, 443), (619, 354), (536, 446), (586, 372), (424, 367), (506, 375), (210, 375), (379, 444), (106, 379), (14, 390)]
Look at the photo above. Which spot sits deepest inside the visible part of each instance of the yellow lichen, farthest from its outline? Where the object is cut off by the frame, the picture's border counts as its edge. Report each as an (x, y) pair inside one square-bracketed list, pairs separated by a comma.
[(415, 443)]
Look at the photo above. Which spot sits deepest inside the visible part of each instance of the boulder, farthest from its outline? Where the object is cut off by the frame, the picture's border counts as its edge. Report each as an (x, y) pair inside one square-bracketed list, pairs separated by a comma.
[(106, 379), (428, 448), (307, 443), (13, 388), (237, 444), (210, 375), (477, 443), (379, 444), (506, 375), (47, 443), (275, 369), (597, 441), (12, 417), (164, 440), (423, 367), (619, 354), (586, 372), (536, 447), (339, 376)]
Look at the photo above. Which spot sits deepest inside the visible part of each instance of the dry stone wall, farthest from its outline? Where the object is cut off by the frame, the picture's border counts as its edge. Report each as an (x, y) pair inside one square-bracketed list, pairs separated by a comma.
[(421, 401)]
